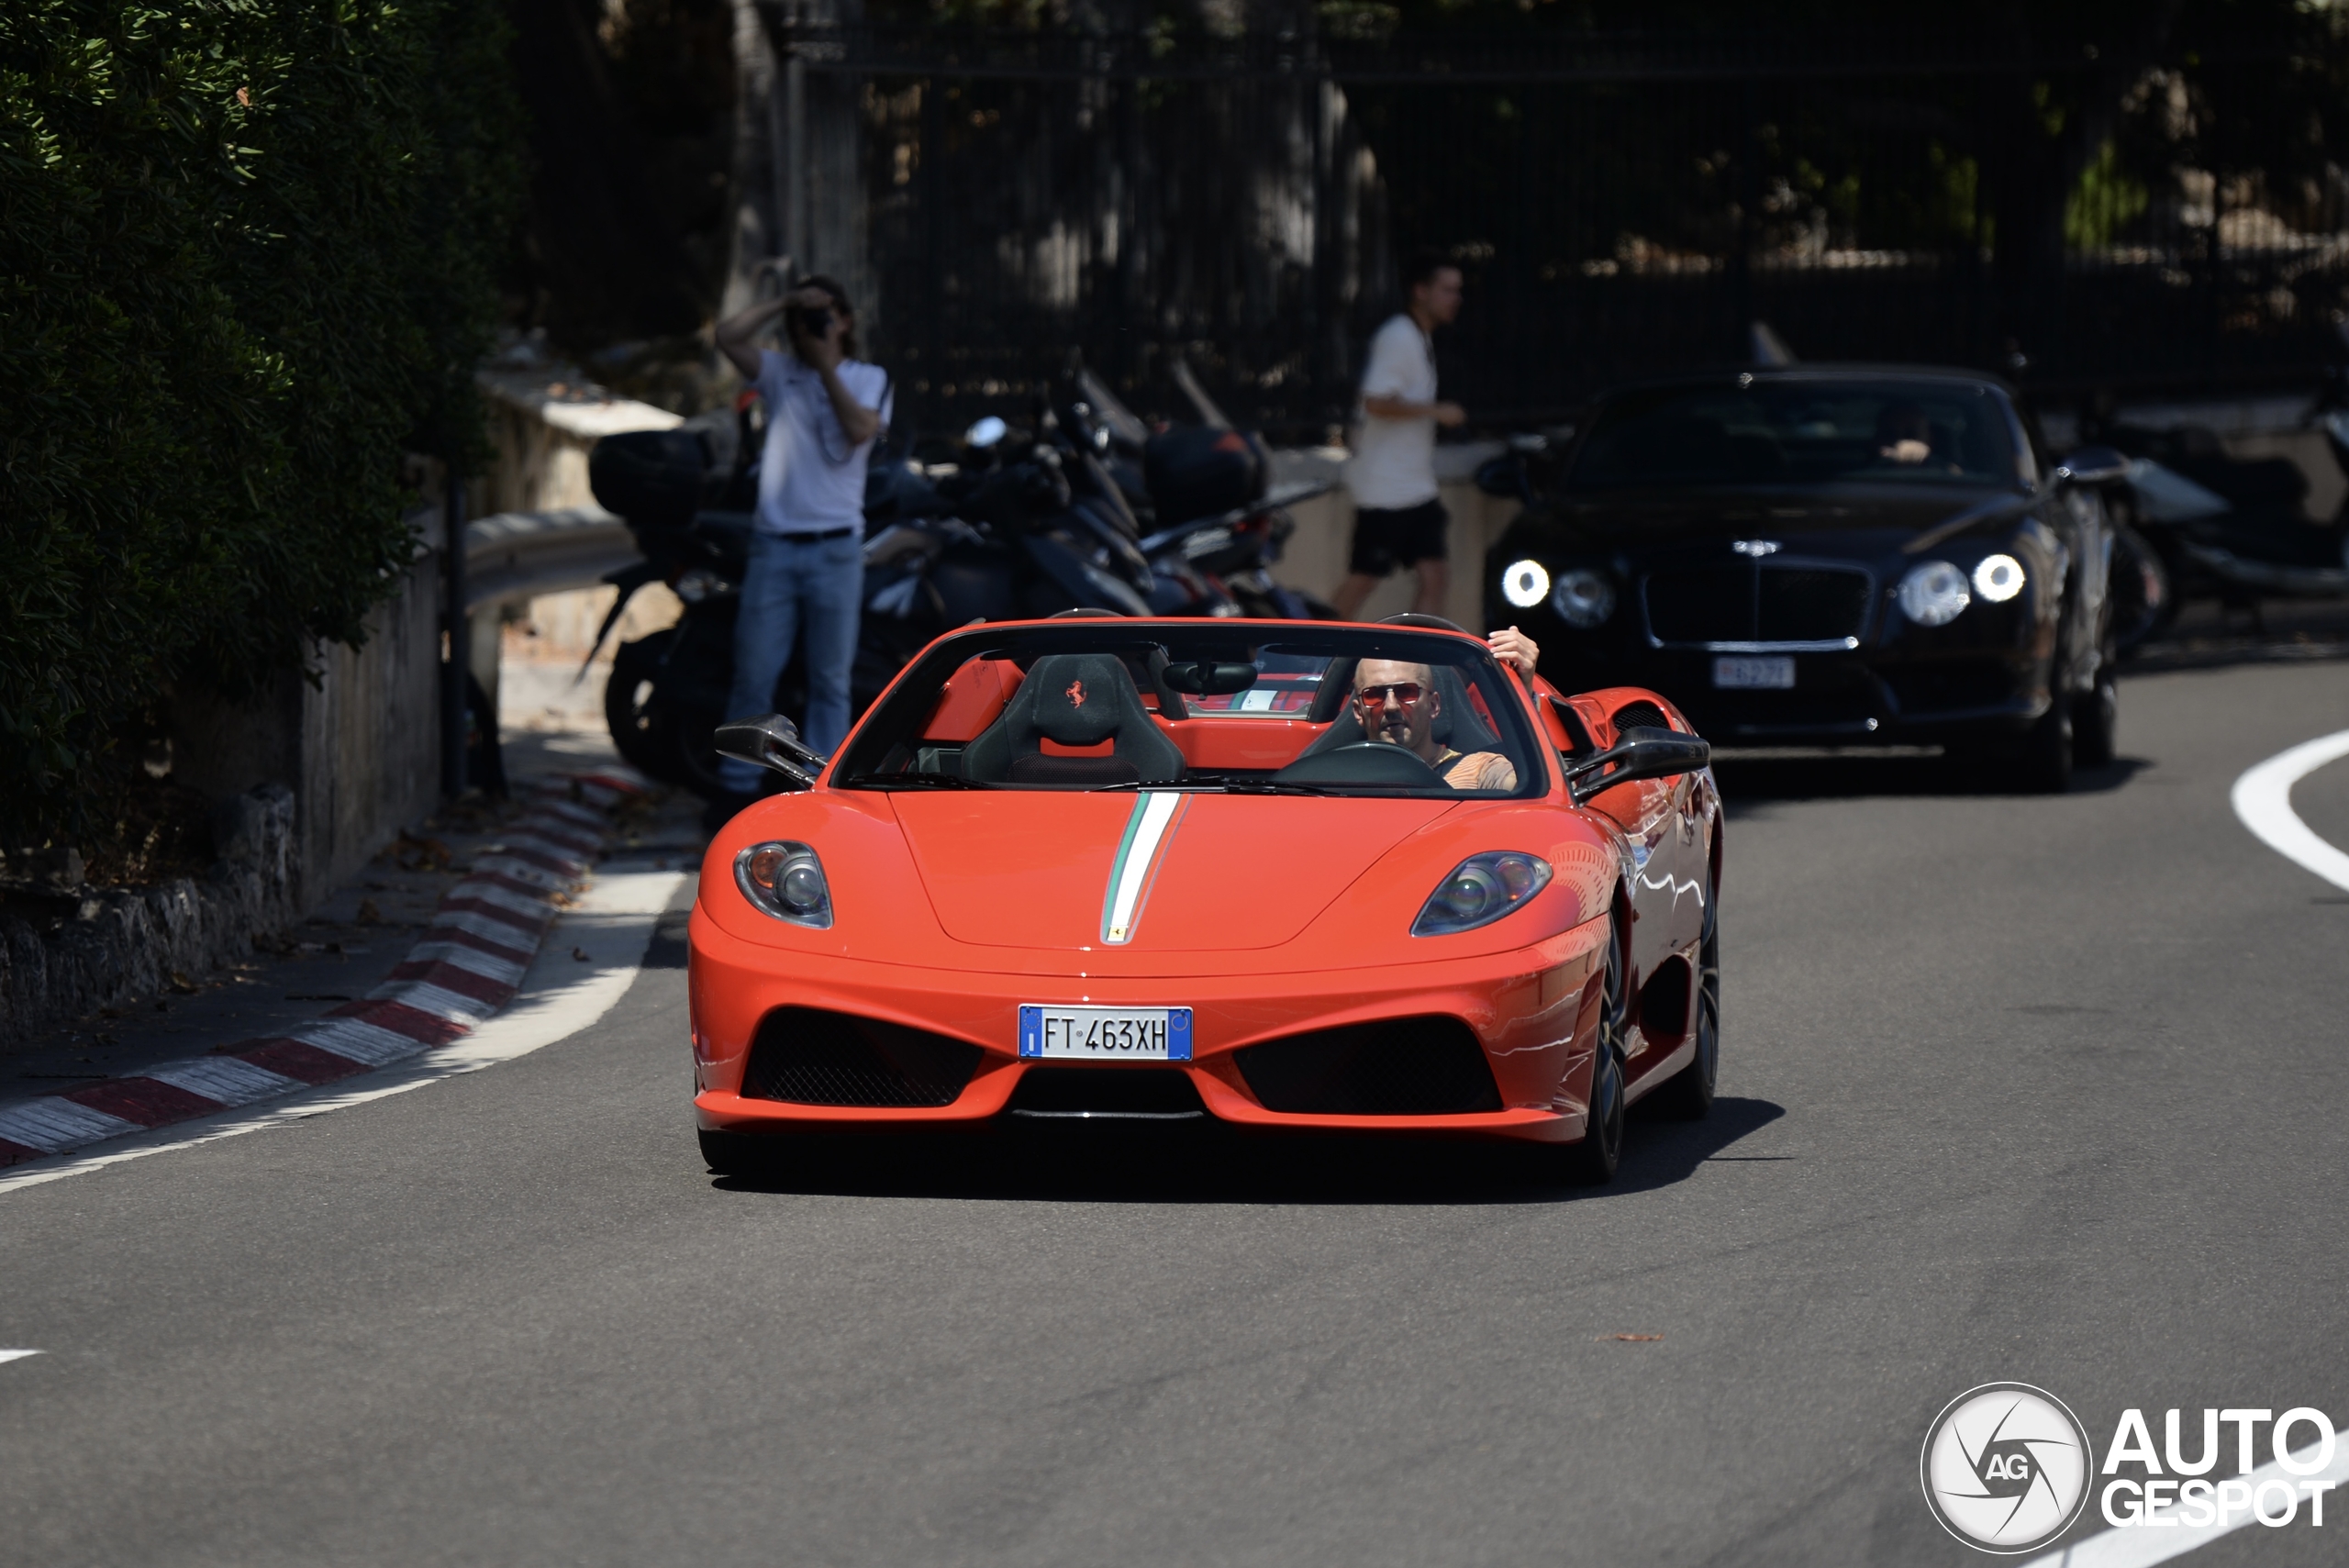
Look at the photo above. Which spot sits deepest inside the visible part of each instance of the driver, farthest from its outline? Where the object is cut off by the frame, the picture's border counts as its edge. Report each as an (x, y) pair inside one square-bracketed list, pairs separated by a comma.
[(1396, 703)]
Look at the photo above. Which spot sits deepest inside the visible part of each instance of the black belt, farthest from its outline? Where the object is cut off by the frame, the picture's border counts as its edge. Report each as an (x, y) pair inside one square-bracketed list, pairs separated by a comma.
[(841, 532)]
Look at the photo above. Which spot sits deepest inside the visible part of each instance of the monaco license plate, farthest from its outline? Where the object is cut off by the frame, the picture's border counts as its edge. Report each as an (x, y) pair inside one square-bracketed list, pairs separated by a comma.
[(1105, 1034), (1773, 672)]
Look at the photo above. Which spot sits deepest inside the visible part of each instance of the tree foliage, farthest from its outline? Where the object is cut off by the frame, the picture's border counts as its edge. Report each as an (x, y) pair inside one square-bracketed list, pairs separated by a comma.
[(248, 253)]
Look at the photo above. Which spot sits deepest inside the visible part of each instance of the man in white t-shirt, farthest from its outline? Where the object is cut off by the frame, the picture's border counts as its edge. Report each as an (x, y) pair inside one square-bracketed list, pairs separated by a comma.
[(1398, 522), (825, 408)]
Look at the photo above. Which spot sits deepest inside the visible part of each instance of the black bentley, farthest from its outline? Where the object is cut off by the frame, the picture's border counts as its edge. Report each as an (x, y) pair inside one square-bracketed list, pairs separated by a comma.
[(1832, 555)]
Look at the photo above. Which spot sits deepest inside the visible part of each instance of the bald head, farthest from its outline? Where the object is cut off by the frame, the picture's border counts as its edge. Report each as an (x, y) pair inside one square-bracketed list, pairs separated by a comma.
[(1396, 703)]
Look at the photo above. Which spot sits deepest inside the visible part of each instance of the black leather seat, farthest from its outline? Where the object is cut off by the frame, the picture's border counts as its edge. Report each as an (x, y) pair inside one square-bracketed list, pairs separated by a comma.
[(1073, 699), (1457, 726)]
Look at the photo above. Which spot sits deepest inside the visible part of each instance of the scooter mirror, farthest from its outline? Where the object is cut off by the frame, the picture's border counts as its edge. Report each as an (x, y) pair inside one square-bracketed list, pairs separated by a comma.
[(985, 433)]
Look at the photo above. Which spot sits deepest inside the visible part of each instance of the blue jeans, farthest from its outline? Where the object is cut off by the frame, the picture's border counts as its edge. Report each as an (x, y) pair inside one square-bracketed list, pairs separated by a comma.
[(790, 578)]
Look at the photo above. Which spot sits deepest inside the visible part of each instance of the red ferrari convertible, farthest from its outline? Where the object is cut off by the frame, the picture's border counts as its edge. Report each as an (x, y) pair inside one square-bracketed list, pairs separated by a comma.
[(1283, 875)]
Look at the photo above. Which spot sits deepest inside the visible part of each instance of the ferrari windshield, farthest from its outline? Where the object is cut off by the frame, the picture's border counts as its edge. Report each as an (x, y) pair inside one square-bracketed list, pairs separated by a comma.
[(1798, 431), (1123, 705)]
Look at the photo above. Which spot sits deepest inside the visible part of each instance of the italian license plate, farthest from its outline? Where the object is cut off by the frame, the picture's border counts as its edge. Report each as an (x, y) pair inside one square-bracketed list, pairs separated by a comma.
[(1105, 1034), (1773, 672)]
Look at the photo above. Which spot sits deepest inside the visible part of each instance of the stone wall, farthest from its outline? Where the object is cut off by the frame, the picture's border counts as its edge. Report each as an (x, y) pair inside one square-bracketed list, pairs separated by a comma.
[(110, 945), (359, 746)]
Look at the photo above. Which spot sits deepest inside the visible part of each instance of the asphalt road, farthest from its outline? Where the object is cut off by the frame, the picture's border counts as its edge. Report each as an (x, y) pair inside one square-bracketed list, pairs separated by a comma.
[(2013, 1088)]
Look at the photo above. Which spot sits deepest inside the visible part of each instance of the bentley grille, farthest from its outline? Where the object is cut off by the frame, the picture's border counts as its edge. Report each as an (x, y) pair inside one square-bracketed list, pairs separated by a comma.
[(1757, 603)]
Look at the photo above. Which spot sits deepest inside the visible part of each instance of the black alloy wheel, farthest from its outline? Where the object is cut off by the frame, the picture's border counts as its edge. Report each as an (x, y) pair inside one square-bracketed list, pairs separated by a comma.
[(640, 726), (1688, 1095), (2095, 713), (1594, 1160)]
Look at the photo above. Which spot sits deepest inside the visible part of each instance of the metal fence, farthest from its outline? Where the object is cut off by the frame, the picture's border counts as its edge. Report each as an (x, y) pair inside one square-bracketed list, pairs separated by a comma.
[(1620, 208)]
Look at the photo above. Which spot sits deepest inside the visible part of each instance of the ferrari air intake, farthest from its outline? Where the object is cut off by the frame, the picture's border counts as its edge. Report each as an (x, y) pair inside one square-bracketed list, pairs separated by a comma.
[(1429, 1066), (814, 1058)]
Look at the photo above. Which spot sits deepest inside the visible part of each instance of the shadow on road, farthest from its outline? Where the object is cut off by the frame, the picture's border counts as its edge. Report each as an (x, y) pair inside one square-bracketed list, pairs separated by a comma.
[(1196, 1163)]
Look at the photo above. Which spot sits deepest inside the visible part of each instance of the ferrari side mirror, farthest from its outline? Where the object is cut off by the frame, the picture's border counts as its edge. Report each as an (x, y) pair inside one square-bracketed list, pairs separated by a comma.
[(771, 742), (1640, 754)]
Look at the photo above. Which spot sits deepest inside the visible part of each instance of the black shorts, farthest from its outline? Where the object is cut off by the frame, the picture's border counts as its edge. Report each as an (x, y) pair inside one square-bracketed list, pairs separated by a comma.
[(1384, 540)]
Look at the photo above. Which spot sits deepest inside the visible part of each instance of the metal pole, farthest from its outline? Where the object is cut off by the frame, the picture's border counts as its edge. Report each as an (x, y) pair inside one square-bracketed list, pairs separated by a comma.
[(459, 646), (795, 112), (779, 238)]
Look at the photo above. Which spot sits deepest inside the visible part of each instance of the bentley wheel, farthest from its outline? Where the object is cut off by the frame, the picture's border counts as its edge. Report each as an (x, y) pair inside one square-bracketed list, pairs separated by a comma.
[(1688, 1096), (2095, 714), (1592, 1162), (2044, 764)]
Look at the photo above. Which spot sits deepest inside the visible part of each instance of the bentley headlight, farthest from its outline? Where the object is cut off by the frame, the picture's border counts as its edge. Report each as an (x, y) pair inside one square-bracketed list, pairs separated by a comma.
[(1933, 593), (787, 881), (1997, 579), (1584, 598), (1480, 890), (699, 584), (1526, 584)]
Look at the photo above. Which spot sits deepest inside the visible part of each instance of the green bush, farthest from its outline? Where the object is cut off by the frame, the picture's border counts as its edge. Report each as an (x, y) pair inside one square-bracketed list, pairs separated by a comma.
[(247, 256)]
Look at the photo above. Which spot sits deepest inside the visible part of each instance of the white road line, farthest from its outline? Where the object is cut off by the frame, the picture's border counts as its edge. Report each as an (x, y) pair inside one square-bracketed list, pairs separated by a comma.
[(16, 1355), (2263, 798), (612, 923), (2138, 1546)]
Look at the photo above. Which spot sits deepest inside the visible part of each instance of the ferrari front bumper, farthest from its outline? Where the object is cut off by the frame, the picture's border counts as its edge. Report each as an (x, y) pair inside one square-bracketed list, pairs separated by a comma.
[(1533, 1012)]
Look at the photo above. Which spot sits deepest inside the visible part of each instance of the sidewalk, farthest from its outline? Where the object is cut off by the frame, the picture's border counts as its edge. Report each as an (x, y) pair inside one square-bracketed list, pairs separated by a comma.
[(428, 941)]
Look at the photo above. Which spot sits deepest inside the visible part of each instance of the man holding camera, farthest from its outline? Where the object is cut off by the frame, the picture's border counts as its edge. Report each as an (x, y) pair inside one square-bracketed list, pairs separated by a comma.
[(825, 408)]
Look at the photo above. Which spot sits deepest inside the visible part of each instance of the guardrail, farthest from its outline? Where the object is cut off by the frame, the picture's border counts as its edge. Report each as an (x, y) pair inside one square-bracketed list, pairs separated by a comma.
[(521, 555)]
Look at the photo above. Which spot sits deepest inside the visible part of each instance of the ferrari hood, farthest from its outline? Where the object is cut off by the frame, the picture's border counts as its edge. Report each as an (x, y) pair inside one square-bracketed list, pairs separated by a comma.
[(1161, 870)]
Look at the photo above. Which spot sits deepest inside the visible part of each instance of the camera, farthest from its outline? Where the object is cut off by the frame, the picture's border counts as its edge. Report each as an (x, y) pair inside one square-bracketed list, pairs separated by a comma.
[(812, 320)]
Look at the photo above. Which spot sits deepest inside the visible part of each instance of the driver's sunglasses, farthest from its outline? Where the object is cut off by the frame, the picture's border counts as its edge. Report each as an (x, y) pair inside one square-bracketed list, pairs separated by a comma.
[(1404, 692)]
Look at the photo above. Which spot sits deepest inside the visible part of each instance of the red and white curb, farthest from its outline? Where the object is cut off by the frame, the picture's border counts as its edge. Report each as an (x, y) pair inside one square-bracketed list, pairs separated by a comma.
[(468, 965)]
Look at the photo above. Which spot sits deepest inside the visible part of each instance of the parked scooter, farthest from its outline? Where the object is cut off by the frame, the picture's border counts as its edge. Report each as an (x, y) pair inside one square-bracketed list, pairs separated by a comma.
[(2194, 521), (1209, 520)]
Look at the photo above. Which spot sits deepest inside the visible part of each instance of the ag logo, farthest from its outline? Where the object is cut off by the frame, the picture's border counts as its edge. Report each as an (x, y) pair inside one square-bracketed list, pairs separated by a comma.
[(2006, 1467)]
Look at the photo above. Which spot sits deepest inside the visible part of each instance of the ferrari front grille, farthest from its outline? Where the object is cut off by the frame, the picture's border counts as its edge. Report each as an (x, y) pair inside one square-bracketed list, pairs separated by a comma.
[(1765, 603), (814, 1058), (1428, 1066)]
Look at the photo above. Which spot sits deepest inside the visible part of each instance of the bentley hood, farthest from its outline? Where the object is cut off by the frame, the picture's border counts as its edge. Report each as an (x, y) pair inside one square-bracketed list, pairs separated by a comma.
[(1150, 871), (1838, 519)]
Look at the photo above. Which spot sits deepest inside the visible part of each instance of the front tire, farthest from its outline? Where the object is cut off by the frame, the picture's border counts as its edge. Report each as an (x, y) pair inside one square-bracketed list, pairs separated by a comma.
[(632, 712), (1594, 1162), (2043, 765), (2096, 715), (734, 1154)]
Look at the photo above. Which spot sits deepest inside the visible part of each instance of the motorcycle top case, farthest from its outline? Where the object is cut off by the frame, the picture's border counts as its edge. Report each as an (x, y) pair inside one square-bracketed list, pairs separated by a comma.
[(655, 479), (1201, 473)]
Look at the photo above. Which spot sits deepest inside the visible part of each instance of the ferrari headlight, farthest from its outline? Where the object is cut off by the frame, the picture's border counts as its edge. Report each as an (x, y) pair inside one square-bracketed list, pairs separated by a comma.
[(1584, 598), (1997, 579), (787, 881), (1933, 593), (1480, 890), (1526, 584)]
